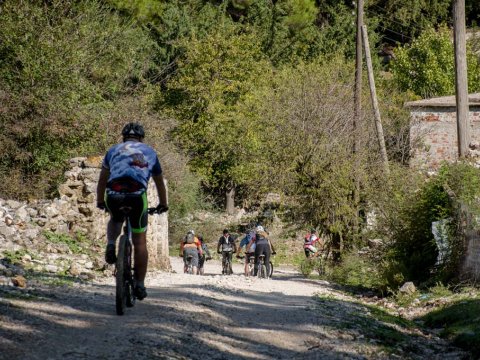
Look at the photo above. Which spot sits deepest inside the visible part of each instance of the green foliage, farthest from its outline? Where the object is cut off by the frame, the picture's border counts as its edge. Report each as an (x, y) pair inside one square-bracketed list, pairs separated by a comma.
[(305, 113), (407, 221), (439, 290), (403, 20), (185, 195), (63, 67), (426, 67), (308, 265), (358, 271), (15, 257), (215, 74)]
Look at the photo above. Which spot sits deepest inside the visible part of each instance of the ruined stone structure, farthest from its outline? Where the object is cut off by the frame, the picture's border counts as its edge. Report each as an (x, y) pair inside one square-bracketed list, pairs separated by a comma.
[(23, 225), (471, 264), (433, 138), (433, 133)]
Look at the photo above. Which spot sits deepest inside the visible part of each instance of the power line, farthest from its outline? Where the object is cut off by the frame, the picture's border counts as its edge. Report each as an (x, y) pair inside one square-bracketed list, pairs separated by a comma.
[(384, 18), (396, 32), (413, 22)]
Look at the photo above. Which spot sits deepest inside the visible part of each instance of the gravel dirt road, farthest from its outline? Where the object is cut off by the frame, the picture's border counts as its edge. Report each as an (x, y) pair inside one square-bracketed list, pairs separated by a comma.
[(209, 317)]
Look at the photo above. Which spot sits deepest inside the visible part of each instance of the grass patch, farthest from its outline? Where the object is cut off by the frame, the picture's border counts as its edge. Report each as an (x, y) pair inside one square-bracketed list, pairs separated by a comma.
[(460, 322), (73, 244), (357, 272), (14, 257)]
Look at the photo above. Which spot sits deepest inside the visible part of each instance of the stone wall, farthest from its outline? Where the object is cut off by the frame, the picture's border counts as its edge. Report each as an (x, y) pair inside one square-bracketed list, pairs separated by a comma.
[(471, 265), (74, 215), (433, 135)]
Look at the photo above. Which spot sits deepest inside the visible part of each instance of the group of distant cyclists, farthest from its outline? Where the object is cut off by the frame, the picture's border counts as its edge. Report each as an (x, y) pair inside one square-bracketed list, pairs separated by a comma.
[(126, 170), (255, 243)]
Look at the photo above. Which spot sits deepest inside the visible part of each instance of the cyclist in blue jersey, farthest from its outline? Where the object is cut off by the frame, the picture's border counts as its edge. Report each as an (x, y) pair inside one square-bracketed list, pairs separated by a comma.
[(243, 244), (126, 170)]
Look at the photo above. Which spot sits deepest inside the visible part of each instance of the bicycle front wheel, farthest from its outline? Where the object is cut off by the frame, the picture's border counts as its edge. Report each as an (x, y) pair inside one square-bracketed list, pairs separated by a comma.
[(271, 269), (227, 268), (251, 269), (121, 290)]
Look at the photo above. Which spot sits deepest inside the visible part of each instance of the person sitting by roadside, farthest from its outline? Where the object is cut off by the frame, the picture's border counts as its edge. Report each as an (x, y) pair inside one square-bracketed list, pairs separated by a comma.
[(190, 246), (243, 244), (204, 257), (227, 245)]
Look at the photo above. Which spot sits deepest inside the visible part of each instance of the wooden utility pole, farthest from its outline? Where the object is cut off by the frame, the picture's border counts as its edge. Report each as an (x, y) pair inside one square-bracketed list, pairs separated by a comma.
[(461, 84), (358, 78), (373, 93), (357, 100)]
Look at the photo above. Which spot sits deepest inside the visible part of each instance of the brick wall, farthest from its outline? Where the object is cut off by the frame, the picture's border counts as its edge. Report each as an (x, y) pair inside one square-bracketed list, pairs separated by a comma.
[(433, 135)]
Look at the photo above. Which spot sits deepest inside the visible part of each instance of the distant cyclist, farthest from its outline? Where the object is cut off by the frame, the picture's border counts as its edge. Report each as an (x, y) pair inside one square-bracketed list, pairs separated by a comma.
[(311, 241), (191, 246), (227, 245), (263, 247), (243, 244), (126, 170), (204, 257)]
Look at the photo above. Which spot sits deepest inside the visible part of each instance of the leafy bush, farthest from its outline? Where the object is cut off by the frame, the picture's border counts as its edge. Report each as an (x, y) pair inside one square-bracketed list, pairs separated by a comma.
[(358, 271), (412, 251)]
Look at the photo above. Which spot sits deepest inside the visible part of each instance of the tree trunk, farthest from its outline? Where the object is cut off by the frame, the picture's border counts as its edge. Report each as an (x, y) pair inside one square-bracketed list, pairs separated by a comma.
[(230, 200)]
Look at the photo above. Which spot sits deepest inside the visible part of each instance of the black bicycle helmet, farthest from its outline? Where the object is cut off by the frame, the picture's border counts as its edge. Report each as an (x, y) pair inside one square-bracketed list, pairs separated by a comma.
[(133, 129)]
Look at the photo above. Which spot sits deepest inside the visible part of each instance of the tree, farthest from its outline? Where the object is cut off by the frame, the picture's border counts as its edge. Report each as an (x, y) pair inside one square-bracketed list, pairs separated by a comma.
[(215, 74), (426, 67), (307, 113), (402, 20), (63, 66)]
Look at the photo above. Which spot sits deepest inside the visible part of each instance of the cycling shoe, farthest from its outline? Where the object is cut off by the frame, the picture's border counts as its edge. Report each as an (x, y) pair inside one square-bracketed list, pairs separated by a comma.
[(110, 256), (140, 292)]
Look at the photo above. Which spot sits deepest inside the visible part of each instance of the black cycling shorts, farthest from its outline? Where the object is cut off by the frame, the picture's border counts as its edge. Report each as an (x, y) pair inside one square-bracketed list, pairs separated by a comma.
[(137, 201)]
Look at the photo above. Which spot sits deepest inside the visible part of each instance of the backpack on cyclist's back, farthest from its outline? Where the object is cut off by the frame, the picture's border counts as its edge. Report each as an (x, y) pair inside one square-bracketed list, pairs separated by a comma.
[(190, 239)]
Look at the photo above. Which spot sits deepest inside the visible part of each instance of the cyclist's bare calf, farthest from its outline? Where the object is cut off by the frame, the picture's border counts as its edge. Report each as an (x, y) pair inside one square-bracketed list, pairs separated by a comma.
[(140, 256)]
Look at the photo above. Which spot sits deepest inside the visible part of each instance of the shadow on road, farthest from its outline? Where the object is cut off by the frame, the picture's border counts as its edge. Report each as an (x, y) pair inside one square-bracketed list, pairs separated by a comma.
[(195, 321)]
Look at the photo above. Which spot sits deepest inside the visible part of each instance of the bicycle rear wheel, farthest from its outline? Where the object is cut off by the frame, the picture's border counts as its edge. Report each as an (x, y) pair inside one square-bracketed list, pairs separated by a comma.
[(121, 288), (128, 276), (262, 271)]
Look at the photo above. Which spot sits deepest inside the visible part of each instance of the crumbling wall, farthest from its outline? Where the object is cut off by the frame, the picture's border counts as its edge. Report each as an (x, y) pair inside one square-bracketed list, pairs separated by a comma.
[(23, 225)]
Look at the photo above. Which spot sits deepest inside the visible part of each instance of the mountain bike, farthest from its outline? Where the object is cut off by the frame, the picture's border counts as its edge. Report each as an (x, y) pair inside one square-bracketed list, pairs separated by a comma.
[(250, 264), (262, 268), (227, 264), (124, 277)]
